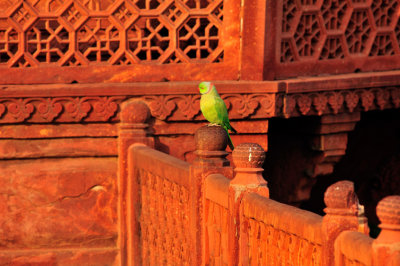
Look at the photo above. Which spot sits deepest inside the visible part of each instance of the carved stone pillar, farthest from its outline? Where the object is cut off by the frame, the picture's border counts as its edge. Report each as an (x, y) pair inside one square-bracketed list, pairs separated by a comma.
[(331, 141), (211, 142), (386, 248), (343, 212), (248, 159), (133, 129)]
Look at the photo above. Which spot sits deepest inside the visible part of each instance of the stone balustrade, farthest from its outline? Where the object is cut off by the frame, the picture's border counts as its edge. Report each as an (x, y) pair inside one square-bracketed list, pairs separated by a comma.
[(228, 216)]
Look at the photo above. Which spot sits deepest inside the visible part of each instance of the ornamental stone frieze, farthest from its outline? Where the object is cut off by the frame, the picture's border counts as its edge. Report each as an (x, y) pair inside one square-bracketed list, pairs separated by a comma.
[(338, 101), (180, 101), (104, 108)]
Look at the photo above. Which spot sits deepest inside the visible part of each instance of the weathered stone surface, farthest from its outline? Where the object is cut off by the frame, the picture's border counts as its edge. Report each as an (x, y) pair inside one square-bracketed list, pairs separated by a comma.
[(182, 147), (58, 203), (65, 147), (34, 131), (91, 256), (331, 142)]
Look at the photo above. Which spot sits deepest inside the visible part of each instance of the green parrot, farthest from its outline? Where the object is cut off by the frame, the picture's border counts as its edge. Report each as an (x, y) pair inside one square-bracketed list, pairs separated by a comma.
[(214, 108)]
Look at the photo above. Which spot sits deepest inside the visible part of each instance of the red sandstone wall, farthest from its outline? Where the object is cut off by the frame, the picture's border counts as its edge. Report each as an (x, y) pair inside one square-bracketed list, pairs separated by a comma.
[(58, 194)]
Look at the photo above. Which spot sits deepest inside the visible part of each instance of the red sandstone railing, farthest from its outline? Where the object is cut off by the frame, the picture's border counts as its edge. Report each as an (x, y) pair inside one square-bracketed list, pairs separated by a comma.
[(278, 234), (216, 212), (176, 213), (353, 248), (163, 207)]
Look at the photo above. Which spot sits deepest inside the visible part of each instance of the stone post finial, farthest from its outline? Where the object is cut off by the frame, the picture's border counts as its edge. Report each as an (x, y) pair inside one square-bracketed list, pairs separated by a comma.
[(386, 247), (134, 127), (249, 159), (248, 155), (134, 112), (343, 212), (388, 212), (211, 142), (341, 199)]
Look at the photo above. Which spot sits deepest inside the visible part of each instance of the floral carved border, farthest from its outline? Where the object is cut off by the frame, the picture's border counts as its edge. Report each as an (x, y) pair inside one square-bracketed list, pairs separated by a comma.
[(58, 109), (187, 107), (106, 109), (341, 101)]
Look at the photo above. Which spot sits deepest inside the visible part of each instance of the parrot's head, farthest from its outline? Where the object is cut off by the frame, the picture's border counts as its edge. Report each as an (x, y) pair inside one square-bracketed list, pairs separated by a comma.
[(205, 87)]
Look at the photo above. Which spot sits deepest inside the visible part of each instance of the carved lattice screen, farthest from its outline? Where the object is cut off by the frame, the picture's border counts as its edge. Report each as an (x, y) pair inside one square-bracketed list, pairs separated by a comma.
[(122, 40), (336, 36)]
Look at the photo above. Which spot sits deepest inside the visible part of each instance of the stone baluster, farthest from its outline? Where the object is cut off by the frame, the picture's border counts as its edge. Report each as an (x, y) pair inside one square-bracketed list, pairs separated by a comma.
[(211, 142), (386, 247), (248, 159), (343, 212), (132, 129)]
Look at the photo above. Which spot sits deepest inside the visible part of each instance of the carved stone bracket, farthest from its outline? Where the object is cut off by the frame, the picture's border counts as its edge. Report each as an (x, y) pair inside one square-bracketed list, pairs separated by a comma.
[(331, 141)]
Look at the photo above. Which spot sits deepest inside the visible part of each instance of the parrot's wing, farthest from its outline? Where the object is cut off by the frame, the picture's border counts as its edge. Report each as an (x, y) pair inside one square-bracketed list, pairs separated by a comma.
[(222, 112), (223, 116)]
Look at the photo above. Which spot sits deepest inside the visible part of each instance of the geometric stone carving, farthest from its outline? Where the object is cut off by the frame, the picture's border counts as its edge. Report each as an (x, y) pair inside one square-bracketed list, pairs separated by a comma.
[(346, 33), (121, 32)]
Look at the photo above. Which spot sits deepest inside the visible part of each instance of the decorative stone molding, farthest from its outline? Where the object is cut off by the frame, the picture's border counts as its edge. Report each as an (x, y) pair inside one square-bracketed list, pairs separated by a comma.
[(185, 107), (338, 101), (106, 108), (59, 109)]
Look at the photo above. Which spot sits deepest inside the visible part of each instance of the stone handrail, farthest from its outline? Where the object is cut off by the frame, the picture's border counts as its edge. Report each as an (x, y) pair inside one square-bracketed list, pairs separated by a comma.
[(216, 189), (353, 248), (282, 217), (141, 157), (279, 234)]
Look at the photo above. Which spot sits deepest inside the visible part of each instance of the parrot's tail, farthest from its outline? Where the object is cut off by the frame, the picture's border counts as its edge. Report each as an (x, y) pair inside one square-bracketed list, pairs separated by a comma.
[(230, 143), (233, 130)]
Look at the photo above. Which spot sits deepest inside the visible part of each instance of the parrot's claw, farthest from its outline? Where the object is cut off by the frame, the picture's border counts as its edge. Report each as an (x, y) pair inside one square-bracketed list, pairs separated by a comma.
[(212, 125)]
